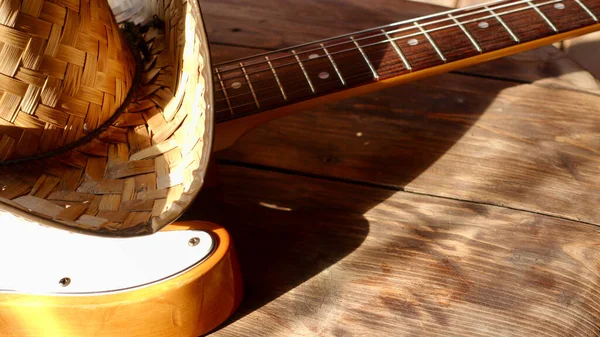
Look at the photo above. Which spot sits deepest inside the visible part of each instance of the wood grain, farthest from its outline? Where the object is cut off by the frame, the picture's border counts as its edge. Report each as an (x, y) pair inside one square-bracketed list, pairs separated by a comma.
[(315, 265), (274, 25), (401, 50), (397, 124), (483, 140), (412, 211)]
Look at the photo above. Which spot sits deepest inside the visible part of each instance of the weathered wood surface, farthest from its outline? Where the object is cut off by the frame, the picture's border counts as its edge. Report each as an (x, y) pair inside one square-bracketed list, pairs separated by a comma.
[(278, 24), (319, 260), (523, 146), (460, 205)]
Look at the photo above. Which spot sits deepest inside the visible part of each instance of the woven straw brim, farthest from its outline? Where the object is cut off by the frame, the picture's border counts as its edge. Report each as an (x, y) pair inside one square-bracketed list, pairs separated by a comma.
[(145, 170)]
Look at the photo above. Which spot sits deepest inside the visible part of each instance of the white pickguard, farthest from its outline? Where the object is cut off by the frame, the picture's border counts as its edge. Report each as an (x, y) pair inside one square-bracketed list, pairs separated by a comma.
[(35, 258)]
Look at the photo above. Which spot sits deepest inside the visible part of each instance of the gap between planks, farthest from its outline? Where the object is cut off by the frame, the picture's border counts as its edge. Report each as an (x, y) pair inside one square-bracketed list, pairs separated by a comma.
[(547, 86), (387, 187)]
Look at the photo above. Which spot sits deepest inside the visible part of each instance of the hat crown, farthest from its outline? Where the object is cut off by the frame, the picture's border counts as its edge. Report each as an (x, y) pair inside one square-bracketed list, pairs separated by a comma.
[(144, 171), (65, 70)]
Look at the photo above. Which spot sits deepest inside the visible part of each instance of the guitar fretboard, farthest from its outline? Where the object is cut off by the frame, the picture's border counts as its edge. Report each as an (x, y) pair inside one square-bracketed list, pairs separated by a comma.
[(283, 77)]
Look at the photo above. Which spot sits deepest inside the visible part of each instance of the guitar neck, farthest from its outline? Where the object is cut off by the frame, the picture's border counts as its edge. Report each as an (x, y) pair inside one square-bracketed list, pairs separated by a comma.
[(395, 53)]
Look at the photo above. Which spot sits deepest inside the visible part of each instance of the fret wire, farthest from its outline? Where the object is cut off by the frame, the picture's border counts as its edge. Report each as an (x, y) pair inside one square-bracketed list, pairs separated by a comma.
[(428, 31), (431, 41), (250, 85), (366, 73), (217, 70), (587, 10), (405, 28), (440, 28), (474, 20), (497, 17), (475, 44), (295, 91), (277, 79), (398, 50), (378, 28), (333, 64), (375, 74), (320, 85), (312, 88), (224, 91), (539, 11), (431, 30)]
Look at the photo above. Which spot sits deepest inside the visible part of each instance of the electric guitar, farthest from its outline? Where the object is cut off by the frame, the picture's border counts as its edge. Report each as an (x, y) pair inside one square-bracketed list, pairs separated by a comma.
[(184, 280)]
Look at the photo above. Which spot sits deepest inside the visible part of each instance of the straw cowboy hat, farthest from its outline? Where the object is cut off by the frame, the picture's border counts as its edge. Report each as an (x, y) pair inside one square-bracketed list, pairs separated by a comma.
[(94, 136)]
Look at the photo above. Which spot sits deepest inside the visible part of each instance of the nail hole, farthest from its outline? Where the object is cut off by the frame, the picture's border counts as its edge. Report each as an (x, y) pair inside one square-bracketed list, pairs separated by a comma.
[(193, 242), (64, 282)]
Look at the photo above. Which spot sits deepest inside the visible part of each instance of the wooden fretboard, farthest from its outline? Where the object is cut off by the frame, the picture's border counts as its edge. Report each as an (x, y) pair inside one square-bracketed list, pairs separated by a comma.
[(292, 75)]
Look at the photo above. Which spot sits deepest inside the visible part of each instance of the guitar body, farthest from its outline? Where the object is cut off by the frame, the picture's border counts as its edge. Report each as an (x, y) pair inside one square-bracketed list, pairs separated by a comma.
[(189, 303)]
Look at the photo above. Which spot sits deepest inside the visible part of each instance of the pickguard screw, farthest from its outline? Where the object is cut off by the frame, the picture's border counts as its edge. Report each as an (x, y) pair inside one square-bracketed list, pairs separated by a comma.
[(65, 281), (194, 241)]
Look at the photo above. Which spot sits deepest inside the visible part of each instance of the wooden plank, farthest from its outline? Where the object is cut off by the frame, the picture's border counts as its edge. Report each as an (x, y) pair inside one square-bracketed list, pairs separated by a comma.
[(274, 24), (583, 50), (395, 137), (323, 258), (326, 258), (454, 136), (546, 66)]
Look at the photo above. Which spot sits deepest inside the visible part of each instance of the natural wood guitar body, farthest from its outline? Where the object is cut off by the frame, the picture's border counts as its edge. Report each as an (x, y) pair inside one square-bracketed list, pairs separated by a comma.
[(191, 304)]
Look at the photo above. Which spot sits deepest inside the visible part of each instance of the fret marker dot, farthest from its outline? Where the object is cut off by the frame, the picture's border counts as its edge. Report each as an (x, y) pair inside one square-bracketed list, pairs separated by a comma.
[(236, 85), (483, 25), (324, 75), (559, 6), (413, 42), (313, 56)]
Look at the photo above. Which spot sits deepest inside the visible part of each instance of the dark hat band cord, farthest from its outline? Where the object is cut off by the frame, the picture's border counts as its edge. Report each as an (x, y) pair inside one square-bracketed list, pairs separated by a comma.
[(137, 78)]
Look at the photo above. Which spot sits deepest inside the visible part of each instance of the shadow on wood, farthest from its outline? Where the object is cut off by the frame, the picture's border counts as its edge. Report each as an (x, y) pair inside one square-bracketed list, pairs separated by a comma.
[(318, 192), (289, 232)]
